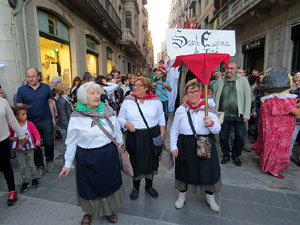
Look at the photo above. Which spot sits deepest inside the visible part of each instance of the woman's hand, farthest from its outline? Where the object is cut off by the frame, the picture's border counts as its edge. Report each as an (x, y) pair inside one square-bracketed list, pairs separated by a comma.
[(129, 126), (38, 143), (23, 141), (175, 153), (64, 172), (207, 121)]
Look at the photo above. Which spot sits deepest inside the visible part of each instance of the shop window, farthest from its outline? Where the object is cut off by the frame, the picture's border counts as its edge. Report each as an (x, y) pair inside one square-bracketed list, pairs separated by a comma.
[(109, 53), (92, 56), (55, 58), (128, 18)]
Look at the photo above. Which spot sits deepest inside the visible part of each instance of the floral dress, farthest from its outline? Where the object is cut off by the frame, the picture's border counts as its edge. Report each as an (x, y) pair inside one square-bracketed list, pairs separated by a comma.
[(276, 126)]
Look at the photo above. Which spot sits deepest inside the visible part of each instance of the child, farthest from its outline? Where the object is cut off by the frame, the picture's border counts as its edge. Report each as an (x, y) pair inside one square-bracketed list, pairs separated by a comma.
[(25, 153)]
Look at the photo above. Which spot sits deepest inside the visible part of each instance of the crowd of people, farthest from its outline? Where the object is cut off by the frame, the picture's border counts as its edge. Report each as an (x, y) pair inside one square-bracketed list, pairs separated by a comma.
[(96, 115)]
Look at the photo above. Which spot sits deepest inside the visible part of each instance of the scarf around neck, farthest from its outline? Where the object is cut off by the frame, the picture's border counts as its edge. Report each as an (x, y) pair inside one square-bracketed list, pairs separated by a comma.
[(148, 96), (195, 107)]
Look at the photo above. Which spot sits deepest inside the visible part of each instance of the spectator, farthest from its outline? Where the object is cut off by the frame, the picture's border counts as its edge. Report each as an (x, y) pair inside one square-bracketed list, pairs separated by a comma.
[(141, 114), (73, 92), (124, 89), (39, 96), (98, 172), (87, 77), (162, 87), (132, 80), (296, 92), (54, 82), (64, 109), (233, 97), (7, 119), (25, 153), (190, 170)]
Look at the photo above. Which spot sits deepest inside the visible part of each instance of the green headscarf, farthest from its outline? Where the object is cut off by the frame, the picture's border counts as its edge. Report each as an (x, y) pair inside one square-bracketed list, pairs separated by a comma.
[(83, 108)]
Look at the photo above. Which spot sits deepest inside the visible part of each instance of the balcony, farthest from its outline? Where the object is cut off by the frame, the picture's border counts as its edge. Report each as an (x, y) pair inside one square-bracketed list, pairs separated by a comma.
[(129, 43), (100, 14), (192, 4)]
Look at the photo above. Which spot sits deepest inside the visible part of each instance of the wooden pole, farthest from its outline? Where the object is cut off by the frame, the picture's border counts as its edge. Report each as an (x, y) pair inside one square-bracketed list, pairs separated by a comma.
[(206, 99)]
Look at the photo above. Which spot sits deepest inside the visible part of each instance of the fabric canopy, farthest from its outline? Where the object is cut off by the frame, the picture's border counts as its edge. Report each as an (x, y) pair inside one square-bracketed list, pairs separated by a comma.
[(202, 65)]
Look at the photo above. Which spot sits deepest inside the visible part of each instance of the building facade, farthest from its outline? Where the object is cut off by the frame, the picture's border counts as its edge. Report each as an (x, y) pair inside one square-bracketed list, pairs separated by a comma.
[(67, 38)]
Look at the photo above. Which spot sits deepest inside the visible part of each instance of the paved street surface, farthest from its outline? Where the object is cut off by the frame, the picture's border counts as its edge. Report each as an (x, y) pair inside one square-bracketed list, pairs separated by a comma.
[(247, 197)]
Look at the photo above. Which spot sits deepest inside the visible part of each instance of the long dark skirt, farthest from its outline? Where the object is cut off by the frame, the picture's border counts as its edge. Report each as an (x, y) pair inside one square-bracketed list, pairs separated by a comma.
[(98, 172), (143, 154), (191, 169)]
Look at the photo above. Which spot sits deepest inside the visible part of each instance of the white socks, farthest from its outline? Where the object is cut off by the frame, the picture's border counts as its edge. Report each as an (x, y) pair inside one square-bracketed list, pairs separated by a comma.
[(180, 200), (210, 199)]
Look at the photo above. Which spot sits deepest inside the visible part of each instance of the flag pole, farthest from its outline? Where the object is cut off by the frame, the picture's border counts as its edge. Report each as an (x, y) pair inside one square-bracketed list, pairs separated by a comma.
[(206, 99)]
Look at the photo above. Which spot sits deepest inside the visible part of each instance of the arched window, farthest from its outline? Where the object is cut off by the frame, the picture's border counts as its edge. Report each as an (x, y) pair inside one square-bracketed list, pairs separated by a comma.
[(109, 56), (128, 18)]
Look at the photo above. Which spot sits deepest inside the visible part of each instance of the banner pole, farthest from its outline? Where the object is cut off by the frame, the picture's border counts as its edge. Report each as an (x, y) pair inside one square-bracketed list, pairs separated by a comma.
[(206, 99)]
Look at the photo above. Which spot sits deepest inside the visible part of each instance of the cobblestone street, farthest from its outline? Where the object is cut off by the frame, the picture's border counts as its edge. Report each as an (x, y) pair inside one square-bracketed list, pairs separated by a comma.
[(248, 196)]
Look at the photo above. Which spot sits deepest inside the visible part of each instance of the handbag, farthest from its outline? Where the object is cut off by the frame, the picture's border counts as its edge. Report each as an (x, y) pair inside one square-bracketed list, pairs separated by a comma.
[(157, 141), (125, 164), (203, 143)]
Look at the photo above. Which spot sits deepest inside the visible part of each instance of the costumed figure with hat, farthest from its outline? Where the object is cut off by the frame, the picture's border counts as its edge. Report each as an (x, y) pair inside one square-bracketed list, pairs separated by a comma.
[(277, 122)]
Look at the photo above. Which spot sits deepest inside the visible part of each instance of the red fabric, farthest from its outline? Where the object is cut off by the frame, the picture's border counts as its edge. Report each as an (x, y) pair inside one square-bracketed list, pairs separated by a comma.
[(150, 95), (33, 131), (202, 65), (195, 107), (275, 131), (163, 69)]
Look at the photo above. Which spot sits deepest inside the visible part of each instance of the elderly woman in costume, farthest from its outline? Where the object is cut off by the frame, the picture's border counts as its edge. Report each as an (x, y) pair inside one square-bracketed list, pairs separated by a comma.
[(276, 123), (98, 176), (144, 154), (191, 171)]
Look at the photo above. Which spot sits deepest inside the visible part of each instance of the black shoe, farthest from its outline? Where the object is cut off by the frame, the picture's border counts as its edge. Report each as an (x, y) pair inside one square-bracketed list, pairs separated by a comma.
[(134, 194), (225, 160), (35, 183), (24, 187), (237, 161), (152, 192), (12, 198)]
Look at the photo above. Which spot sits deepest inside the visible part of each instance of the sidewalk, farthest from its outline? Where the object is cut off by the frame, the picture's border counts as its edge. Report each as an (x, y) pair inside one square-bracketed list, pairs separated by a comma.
[(248, 196)]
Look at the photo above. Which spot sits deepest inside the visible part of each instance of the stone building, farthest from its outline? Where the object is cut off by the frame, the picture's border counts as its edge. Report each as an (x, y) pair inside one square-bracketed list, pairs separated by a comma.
[(67, 38)]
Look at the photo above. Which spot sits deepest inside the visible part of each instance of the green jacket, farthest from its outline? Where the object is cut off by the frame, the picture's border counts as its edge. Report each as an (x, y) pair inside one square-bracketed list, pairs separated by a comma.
[(243, 94)]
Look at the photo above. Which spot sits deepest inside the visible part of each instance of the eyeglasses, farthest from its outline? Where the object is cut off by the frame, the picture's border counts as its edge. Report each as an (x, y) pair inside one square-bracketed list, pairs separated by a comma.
[(137, 86), (192, 92)]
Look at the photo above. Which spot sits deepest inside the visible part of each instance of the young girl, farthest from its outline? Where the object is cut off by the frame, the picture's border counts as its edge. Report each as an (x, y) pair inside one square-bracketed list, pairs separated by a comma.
[(25, 153)]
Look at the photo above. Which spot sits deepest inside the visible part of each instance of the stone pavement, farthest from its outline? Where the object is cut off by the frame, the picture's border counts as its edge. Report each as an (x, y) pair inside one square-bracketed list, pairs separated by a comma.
[(248, 196)]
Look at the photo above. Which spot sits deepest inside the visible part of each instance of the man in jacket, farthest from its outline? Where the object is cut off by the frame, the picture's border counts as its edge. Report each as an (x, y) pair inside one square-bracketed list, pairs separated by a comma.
[(233, 97)]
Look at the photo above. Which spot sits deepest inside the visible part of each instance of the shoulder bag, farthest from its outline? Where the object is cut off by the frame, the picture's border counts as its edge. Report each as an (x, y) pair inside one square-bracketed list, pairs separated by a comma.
[(157, 141), (203, 143), (126, 166)]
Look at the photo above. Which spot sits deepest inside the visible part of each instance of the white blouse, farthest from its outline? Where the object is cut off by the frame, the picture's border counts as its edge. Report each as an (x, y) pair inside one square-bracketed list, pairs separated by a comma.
[(181, 125), (82, 134), (152, 110)]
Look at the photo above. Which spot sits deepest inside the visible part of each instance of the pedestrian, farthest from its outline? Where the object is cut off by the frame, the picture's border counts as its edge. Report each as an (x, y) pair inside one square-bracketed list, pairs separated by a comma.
[(25, 153), (7, 119), (87, 77), (124, 89), (276, 123), (73, 92), (39, 96), (296, 91), (132, 80), (162, 87), (98, 171), (141, 114), (191, 171), (64, 109), (54, 82), (233, 97)]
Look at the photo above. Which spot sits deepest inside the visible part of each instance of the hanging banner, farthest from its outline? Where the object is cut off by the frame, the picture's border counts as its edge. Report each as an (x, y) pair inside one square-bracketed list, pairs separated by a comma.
[(194, 41)]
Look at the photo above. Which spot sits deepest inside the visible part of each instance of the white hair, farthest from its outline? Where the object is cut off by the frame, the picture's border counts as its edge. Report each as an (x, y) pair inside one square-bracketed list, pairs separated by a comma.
[(56, 79), (82, 91)]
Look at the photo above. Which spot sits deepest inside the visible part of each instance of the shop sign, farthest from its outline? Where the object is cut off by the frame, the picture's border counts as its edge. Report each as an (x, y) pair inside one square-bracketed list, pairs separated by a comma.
[(91, 45), (258, 43), (195, 41)]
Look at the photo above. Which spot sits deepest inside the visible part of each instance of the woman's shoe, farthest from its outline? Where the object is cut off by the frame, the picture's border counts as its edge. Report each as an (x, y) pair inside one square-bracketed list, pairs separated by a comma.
[(180, 200), (113, 218), (276, 175), (210, 199), (86, 219)]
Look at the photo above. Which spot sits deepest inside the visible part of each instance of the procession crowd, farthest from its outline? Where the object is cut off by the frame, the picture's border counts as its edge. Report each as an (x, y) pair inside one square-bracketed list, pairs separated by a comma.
[(99, 117)]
